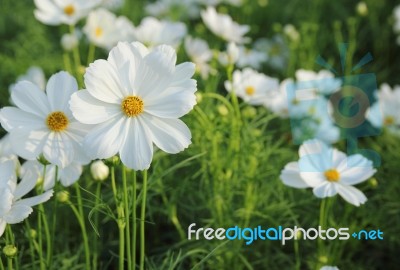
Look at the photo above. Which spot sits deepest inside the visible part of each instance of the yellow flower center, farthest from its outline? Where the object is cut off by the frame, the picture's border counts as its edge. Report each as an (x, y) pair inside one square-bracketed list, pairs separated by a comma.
[(69, 10), (250, 90), (57, 121), (98, 32), (389, 120), (132, 106), (332, 175)]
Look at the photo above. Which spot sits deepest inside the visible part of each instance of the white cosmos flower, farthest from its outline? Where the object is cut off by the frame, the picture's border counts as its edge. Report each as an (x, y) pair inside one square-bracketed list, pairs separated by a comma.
[(230, 56), (328, 171), (112, 4), (56, 12), (14, 209), (153, 32), (223, 26), (174, 8), (134, 99), (42, 123), (324, 82), (35, 75), (253, 87), (199, 52), (385, 112), (250, 58), (67, 176), (104, 29), (277, 51)]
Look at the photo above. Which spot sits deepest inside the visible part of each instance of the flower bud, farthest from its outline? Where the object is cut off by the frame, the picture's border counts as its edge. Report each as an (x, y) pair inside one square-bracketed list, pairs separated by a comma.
[(62, 196), (10, 251), (362, 9), (223, 110), (32, 234), (69, 42), (99, 170)]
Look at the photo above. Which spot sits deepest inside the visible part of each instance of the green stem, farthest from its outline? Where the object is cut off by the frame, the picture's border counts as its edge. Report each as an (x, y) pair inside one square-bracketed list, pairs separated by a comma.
[(40, 219), (77, 58), (91, 52), (9, 241), (67, 63), (81, 220), (134, 218), (120, 220), (142, 221), (96, 224), (53, 227), (1, 264), (127, 224)]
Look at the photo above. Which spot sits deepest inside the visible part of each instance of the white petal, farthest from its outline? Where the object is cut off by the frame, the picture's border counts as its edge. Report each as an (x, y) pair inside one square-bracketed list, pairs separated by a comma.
[(314, 156), (28, 144), (35, 200), (12, 117), (18, 213), (28, 97), (89, 110), (137, 151), (105, 140), (290, 176), (355, 169), (70, 174), (59, 89), (7, 173), (27, 183), (173, 104), (103, 82), (325, 189), (58, 149), (6, 200), (182, 72), (170, 135), (351, 194), (3, 225)]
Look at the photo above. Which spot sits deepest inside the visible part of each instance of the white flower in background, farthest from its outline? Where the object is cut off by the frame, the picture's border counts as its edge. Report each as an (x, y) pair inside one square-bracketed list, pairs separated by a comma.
[(385, 112), (14, 209), (112, 4), (362, 9), (223, 26), (104, 29), (278, 102), (328, 267), (67, 175), (324, 82), (253, 87), (134, 99), (276, 50), (174, 9), (56, 12), (198, 51), (153, 32), (69, 41), (99, 170), (231, 56), (291, 32), (42, 123), (329, 172), (250, 58), (35, 75), (396, 25)]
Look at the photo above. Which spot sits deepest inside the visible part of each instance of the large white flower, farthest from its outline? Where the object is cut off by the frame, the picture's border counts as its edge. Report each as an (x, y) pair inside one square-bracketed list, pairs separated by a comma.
[(134, 99), (153, 32), (14, 209), (104, 29), (42, 123), (56, 12), (385, 112), (328, 171), (253, 87), (223, 26)]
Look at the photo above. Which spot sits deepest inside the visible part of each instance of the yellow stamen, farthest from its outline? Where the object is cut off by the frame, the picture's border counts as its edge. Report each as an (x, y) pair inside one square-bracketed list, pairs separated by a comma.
[(98, 32), (69, 10), (132, 106), (332, 175), (57, 121), (389, 120), (250, 90)]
